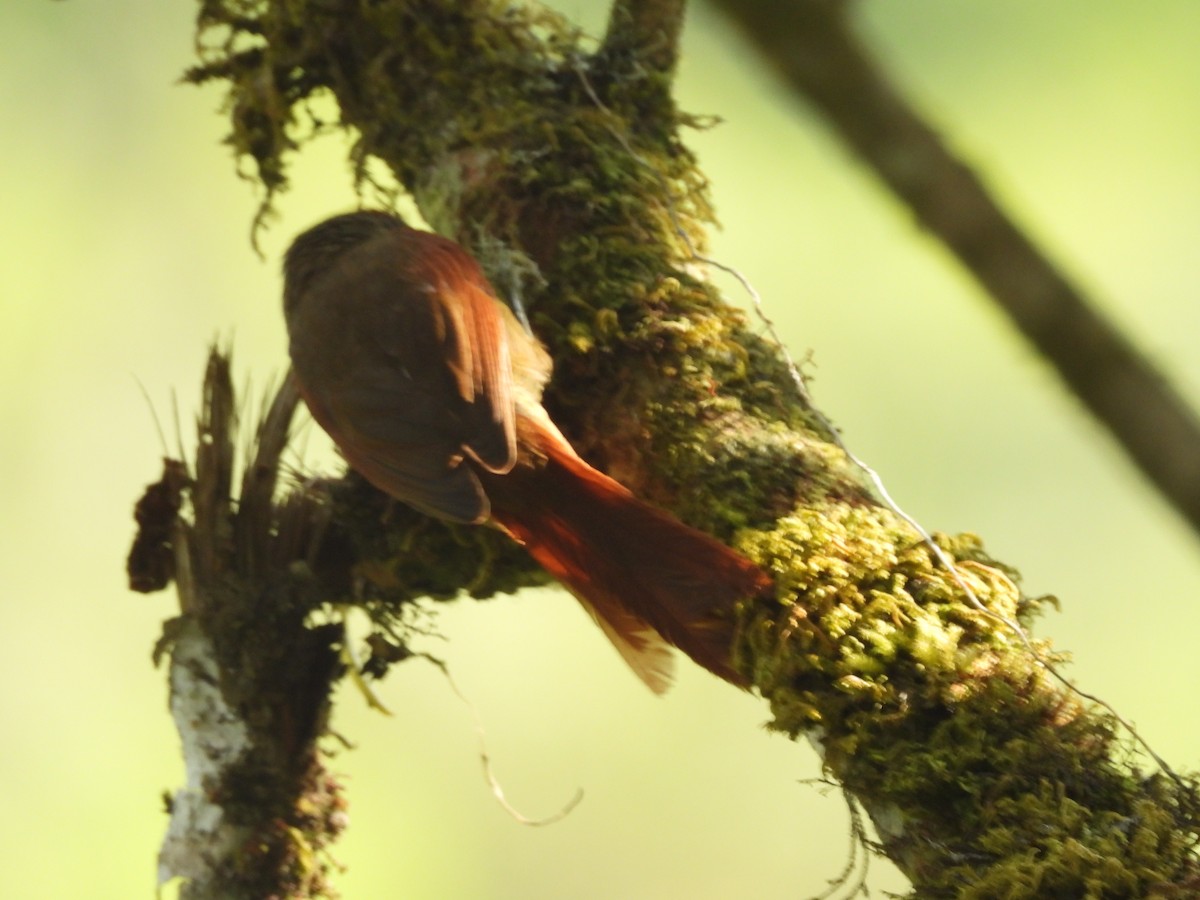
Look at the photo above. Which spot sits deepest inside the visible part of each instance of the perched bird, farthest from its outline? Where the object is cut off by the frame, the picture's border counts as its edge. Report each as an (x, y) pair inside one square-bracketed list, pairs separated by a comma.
[(432, 391)]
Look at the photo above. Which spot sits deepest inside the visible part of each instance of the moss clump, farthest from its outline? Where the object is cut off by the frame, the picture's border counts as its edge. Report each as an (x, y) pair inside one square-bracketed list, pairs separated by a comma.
[(984, 776)]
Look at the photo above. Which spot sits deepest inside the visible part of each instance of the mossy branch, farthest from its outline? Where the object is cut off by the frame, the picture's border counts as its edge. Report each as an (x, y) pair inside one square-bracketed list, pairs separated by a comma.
[(983, 775)]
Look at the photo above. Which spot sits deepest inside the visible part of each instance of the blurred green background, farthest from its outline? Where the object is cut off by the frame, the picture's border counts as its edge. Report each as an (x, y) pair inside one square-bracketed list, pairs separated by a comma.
[(125, 241)]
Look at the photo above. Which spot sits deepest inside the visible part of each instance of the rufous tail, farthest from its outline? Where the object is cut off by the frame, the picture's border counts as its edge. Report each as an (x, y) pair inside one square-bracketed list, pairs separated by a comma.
[(648, 579)]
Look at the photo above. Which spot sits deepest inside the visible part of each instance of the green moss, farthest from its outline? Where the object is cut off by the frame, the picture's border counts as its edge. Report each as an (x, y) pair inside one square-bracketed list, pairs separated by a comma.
[(986, 778)]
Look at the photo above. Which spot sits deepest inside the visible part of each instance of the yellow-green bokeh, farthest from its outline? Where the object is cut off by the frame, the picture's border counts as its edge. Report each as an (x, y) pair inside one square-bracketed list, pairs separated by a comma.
[(125, 251)]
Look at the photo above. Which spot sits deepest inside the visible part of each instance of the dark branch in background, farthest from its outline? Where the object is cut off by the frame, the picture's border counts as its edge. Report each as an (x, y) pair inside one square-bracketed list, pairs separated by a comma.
[(810, 43), (567, 175)]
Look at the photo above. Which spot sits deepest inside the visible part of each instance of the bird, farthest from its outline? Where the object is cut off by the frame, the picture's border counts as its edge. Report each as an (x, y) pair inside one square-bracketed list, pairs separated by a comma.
[(431, 389)]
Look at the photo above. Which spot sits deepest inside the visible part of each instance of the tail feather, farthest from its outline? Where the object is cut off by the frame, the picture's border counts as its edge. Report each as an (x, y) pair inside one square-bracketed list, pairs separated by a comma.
[(648, 579), (642, 648)]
